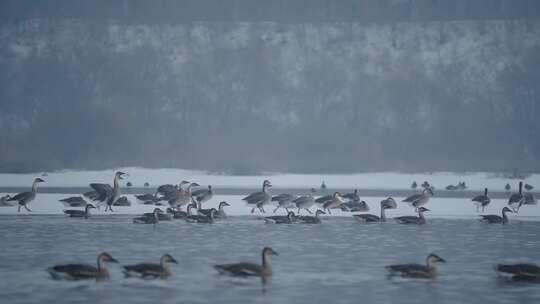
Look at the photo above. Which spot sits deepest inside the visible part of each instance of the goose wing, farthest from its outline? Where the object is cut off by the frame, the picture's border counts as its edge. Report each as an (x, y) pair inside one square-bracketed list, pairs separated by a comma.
[(21, 196), (412, 198), (240, 269), (101, 192), (144, 269), (73, 201), (75, 271), (255, 197)]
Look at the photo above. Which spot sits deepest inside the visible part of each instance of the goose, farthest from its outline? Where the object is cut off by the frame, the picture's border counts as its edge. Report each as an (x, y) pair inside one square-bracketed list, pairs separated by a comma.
[(24, 198), (103, 193), (495, 219), (323, 185), (206, 219), (185, 196), (259, 199), (249, 269), (388, 203), (520, 272), (147, 198), (284, 201), (148, 218), (481, 200), (507, 187), (335, 203), (167, 191), (452, 187), (516, 200), (179, 214), (352, 196), (427, 271), (312, 219), (150, 270), (122, 202), (414, 185), (323, 199), (304, 202), (413, 220), (281, 219), (74, 201), (529, 199), (528, 187), (203, 195), (80, 213), (418, 200), (220, 214), (355, 206), (83, 271), (4, 201)]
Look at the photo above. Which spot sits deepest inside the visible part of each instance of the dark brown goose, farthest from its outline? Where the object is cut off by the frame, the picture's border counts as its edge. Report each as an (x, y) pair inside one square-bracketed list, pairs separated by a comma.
[(150, 270), (80, 213), (83, 271), (249, 269), (427, 271)]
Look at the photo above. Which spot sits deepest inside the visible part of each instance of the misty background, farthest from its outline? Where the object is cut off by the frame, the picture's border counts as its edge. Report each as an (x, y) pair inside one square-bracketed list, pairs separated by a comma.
[(244, 86)]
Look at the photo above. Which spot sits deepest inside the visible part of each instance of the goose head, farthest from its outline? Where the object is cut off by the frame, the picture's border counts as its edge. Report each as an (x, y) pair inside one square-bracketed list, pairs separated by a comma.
[(267, 184), (269, 251), (38, 180), (167, 258), (106, 257), (389, 203), (120, 174), (223, 204), (422, 209), (432, 258), (506, 209)]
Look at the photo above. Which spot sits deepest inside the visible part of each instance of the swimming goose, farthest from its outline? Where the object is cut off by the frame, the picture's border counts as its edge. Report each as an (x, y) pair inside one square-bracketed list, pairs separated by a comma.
[(418, 200), (202, 195), (148, 218), (74, 201), (495, 219), (481, 200), (259, 199), (388, 203), (355, 206), (179, 214), (83, 271), (4, 201), (528, 187), (520, 272), (290, 218), (249, 269), (24, 198), (335, 203), (413, 220), (103, 193), (418, 271), (312, 219), (220, 214), (206, 219), (150, 270), (516, 200), (167, 191), (304, 202), (284, 200), (80, 213)]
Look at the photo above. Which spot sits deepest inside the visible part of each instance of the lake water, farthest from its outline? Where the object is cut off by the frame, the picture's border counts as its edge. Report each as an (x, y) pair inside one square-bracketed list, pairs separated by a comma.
[(339, 261)]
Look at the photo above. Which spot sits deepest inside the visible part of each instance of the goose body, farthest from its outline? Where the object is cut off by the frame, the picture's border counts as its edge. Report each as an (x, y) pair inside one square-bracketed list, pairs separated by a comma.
[(24, 198), (80, 213), (74, 201), (482, 200), (418, 271), (150, 270), (259, 199), (206, 219), (304, 202), (520, 272), (388, 203), (249, 269), (495, 219), (4, 201), (517, 199), (418, 200), (83, 271), (284, 201), (104, 193), (311, 219), (413, 220), (148, 218), (335, 203), (219, 214), (281, 219), (203, 195)]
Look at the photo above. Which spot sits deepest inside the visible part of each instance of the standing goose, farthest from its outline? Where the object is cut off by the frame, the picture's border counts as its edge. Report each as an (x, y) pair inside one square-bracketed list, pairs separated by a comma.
[(83, 271), (413, 220), (148, 218), (4, 201), (335, 203), (24, 198), (220, 214), (516, 200), (520, 272), (284, 201), (304, 202), (418, 271), (281, 219), (249, 269), (495, 219), (185, 196), (312, 219), (388, 203), (150, 270), (481, 200), (103, 193), (74, 201), (259, 199), (80, 213), (418, 200), (202, 195)]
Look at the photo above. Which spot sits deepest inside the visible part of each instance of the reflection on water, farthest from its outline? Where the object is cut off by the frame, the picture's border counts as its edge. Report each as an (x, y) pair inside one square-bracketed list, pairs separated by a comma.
[(340, 261)]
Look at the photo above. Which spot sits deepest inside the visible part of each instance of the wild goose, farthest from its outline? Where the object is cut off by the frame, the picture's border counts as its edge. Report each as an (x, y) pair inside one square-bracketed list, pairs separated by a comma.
[(206, 219), (481, 200), (495, 219), (148, 218), (185, 196), (528, 187), (516, 200), (147, 198), (259, 199), (4, 201), (355, 206), (414, 185), (418, 271), (335, 203), (202, 195), (284, 201), (83, 271), (418, 200), (249, 269), (150, 270), (520, 272), (74, 201), (24, 198), (351, 196), (80, 213), (220, 214), (103, 193), (388, 203), (507, 187), (304, 202), (413, 220), (281, 219), (311, 219), (179, 214)]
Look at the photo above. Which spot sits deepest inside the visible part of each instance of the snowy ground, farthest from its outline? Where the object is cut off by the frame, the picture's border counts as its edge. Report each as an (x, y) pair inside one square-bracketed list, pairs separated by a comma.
[(384, 180)]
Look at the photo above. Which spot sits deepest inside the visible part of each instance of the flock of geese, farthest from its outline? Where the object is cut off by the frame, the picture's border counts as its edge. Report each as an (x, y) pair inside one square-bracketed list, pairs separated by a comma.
[(182, 195)]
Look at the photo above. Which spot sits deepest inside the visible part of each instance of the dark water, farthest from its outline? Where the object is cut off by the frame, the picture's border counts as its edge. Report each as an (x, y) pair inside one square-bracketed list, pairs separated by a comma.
[(340, 261)]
